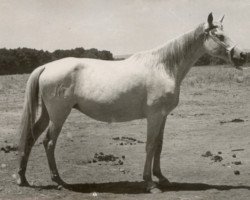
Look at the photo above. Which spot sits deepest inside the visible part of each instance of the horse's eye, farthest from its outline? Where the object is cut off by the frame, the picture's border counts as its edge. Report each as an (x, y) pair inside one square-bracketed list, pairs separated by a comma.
[(221, 37)]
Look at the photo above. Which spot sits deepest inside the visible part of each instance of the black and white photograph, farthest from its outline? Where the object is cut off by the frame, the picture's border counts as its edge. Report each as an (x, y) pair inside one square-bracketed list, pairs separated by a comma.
[(125, 99)]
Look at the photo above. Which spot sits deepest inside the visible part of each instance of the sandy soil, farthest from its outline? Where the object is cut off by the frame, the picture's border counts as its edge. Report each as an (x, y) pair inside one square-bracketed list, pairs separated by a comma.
[(105, 161)]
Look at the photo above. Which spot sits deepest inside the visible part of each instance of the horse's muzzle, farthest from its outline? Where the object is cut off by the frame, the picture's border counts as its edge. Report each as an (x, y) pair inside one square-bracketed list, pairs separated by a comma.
[(238, 57)]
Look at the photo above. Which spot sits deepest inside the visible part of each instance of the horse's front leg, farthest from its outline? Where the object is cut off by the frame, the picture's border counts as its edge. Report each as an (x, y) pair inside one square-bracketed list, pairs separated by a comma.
[(154, 122), (163, 181)]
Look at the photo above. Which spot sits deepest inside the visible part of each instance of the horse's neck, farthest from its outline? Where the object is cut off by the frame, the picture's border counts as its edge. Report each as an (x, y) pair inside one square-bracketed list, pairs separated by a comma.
[(179, 55)]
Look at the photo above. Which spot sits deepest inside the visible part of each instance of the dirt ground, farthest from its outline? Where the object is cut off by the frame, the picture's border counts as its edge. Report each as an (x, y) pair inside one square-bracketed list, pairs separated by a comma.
[(205, 153)]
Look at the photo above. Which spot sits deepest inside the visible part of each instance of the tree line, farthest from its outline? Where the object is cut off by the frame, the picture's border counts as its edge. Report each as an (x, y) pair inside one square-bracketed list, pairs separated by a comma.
[(25, 60)]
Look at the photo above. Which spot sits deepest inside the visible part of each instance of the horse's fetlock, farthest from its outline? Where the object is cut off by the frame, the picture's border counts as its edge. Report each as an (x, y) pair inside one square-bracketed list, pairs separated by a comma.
[(53, 177), (56, 178), (21, 171), (147, 177), (157, 173)]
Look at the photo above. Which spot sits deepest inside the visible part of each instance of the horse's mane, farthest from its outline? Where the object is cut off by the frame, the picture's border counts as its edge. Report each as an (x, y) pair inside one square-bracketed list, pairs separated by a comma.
[(173, 51)]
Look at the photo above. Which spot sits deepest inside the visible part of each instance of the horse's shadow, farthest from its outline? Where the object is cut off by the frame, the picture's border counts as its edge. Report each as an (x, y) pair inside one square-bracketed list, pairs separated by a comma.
[(126, 187)]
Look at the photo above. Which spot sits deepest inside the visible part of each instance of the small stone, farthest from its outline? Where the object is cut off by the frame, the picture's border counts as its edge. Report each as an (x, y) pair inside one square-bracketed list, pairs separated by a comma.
[(217, 158), (122, 170), (14, 176), (237, 162), (59, 187), (120, 162), (3, 166), (18, 181), (236, 172), (237, 120), (69, 135), (207, 154), (219, 152), (123, 157), (5, 150), (234, 155), (240, 79)]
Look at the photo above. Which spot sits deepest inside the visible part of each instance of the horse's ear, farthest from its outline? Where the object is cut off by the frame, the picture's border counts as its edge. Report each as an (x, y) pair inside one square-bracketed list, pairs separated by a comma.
[(221, 20), (210, 20)]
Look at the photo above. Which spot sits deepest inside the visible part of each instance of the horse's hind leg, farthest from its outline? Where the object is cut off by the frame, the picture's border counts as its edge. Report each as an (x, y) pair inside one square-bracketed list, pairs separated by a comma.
[(49, 145), (57, 117), (39, 127)]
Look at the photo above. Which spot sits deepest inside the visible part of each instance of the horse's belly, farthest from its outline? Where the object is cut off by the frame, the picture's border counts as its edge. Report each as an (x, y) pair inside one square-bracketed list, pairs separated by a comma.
[(118, 111)]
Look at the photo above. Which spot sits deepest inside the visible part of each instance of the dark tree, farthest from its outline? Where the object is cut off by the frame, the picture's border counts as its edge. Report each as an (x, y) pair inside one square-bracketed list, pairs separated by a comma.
[(25, 60)]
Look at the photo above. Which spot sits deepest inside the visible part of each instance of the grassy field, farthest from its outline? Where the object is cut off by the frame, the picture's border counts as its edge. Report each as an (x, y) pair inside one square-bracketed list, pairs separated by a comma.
[(213, 115)]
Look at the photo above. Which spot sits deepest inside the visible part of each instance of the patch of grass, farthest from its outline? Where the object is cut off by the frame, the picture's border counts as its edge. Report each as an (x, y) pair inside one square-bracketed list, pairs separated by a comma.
[(215, 75), (13, 83)]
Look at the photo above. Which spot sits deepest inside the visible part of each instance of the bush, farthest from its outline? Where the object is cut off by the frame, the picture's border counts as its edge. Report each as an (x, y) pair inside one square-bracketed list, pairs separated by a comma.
[(25, 60)]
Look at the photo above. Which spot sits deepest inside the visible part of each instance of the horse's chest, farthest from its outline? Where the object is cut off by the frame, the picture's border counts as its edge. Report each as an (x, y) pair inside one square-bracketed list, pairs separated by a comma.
[(167, 100), (170, 100)]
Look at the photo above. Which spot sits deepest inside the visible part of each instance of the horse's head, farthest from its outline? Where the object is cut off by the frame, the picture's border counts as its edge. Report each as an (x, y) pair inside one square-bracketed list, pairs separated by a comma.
[(218, 44)]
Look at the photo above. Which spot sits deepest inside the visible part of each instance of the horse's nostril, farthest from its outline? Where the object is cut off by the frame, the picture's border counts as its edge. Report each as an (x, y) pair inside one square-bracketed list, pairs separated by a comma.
[(243, 55)]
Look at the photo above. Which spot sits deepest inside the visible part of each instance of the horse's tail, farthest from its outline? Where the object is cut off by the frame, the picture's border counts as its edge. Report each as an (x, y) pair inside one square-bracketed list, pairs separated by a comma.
[(30, 108)]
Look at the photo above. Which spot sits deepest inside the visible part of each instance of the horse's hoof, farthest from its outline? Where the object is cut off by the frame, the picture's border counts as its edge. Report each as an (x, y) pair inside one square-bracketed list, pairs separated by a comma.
[(164, 183), (59, 187), (59, 181), (155, 190), (152, 188), (22, 182)]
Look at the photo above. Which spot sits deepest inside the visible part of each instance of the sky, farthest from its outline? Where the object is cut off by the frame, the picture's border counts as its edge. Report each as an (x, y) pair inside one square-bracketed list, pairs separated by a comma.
[(119, 26)]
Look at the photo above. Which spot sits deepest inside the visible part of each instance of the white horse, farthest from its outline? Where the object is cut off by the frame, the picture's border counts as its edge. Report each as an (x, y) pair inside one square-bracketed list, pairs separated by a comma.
[(146, 85)]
